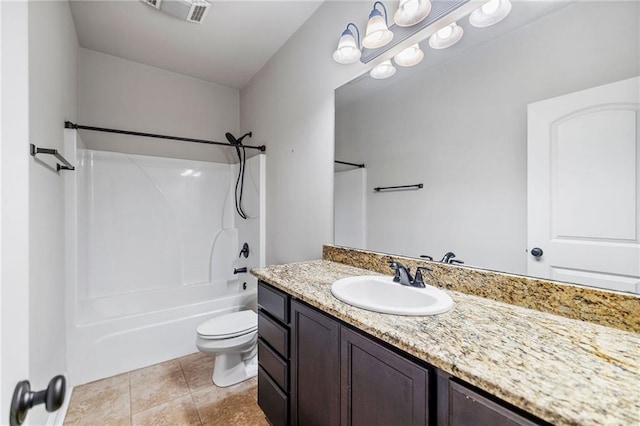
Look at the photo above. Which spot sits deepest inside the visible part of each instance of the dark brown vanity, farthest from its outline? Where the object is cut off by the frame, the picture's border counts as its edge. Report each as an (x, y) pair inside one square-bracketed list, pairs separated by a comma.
[(315, 369)]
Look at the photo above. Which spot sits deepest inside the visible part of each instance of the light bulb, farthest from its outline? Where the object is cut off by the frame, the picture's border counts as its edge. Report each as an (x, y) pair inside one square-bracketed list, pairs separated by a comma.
[(446, 36), (410, 12), (490, 7), (410, 56), (490, 13), (445, 33), (384, 70), (378, 34), (347, 51)]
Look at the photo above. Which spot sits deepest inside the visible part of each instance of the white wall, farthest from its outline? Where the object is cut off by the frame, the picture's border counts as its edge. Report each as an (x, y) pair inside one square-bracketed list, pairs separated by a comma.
[(53, 64), (122, 94), (464, 134), (289, 106), (14, 200)]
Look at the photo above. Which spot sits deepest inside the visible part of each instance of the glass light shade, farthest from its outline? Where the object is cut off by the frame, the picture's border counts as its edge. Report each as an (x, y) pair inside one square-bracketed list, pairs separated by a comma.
[(490, 13), (446, 37), (347, 51), (410, 12), (410, 56), (384, 70), (377, 34)]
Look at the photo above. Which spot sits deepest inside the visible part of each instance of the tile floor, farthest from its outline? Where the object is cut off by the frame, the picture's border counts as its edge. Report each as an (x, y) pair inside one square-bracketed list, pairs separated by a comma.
[(176, 392)]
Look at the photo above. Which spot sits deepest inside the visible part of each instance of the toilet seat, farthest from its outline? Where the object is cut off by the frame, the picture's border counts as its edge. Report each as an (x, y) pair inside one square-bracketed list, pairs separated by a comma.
[(229, 326)]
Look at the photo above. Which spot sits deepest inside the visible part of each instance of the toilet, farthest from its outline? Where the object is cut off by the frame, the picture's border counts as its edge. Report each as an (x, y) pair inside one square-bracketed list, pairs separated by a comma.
[(232, 339)]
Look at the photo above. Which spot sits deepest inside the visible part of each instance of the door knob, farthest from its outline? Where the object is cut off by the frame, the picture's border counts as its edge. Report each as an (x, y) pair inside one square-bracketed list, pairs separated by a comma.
[(536, 252), (24, 399)]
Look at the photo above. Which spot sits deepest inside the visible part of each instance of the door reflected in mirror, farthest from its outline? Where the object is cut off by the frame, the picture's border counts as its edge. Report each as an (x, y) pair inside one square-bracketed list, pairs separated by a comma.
[(460, 124)]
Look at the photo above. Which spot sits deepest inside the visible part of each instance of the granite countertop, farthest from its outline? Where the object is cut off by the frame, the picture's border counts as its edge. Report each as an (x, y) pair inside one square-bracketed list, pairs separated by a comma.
[(562, 370)]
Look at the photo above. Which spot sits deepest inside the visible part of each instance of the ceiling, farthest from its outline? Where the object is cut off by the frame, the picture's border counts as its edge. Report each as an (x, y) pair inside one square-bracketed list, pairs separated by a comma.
[(233, 43)]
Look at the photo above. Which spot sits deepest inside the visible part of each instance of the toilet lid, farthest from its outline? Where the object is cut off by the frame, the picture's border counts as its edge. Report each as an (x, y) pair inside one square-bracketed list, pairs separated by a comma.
[(230, 325)]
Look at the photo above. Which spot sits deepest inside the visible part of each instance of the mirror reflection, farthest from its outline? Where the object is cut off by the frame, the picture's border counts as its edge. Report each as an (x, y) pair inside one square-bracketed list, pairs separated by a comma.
[(522, 135)]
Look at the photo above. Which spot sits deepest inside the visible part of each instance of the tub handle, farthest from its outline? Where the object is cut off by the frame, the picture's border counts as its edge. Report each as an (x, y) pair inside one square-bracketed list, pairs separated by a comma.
[(245, 251)]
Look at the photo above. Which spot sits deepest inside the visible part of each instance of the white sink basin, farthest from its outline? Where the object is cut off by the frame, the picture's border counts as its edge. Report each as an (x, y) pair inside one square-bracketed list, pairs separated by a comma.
[(380, 294)]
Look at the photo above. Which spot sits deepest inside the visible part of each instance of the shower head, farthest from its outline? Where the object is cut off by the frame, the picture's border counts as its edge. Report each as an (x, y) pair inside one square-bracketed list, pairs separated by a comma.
[(233, 141)]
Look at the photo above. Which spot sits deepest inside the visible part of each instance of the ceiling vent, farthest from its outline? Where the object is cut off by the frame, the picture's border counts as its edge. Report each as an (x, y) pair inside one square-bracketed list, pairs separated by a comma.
[(188, 10)]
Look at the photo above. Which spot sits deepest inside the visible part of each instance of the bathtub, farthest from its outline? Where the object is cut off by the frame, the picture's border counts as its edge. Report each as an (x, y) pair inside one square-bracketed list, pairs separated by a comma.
[(108, 347), (151, 249)]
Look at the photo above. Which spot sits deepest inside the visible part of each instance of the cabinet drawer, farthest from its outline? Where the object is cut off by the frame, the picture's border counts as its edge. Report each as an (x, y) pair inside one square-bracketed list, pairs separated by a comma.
[(468, 407), (272, 401), (273, 301), (275, 366), (276, 335)]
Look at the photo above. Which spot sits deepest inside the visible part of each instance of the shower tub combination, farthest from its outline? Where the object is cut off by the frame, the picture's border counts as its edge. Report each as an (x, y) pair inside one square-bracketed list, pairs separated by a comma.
[(156, 244)]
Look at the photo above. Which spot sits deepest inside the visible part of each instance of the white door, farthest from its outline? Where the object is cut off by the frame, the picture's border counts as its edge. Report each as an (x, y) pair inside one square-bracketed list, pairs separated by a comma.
[(350, 201), (583, 180), (14, 201)]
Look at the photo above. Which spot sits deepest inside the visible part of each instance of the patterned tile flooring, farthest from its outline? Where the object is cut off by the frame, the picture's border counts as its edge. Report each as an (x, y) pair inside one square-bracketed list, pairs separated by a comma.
[(175, 392)]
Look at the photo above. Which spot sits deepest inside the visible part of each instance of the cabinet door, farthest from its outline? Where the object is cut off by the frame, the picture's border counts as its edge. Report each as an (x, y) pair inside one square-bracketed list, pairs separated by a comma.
[(380, 387), (315, 368), (469, 408)]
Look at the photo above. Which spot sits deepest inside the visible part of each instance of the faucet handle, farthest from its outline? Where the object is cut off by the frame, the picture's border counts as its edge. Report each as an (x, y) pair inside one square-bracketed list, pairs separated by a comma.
[(418, 281), (460, 262), (396, 267), (426, 256)]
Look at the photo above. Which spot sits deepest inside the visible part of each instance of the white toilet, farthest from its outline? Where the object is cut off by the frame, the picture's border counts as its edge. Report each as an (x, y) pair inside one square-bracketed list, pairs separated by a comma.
[(232, 339)]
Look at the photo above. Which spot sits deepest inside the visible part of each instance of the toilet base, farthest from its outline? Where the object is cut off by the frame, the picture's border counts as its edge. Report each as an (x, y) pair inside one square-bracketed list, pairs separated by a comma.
[(232, 368)]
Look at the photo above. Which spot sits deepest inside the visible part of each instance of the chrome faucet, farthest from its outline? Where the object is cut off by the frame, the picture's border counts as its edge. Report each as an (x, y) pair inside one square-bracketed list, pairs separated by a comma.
[(448, 258), (403, 275)]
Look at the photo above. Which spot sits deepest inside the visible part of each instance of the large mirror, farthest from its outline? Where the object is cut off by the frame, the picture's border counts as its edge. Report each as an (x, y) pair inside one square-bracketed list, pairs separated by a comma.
[(460, 124)]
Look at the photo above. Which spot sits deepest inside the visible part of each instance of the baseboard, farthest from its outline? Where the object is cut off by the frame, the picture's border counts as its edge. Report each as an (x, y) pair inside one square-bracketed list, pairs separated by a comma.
[(57, 417)]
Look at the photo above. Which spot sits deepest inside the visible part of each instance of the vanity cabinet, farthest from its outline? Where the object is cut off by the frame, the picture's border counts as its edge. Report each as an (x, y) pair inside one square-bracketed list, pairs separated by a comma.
[(316, 370), (378, 386), (342, 377), (315, 367), (468, 407), (273, 354)]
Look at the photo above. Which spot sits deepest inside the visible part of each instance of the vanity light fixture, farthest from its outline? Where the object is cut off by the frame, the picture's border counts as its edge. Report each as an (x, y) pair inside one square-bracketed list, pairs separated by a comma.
[(348, 50), (383, 70), (410, 56), (490, 13), (410, 12), (446, 37), (414, 21), (377, 34)]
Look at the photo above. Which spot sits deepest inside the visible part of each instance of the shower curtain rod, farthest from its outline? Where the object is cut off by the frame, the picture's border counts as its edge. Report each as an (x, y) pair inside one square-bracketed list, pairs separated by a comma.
[(70, 125), (361, 166)]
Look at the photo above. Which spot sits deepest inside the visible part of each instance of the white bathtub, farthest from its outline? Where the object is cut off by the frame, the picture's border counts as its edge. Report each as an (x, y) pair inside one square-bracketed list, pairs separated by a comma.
[(152, 245), (112, 346)]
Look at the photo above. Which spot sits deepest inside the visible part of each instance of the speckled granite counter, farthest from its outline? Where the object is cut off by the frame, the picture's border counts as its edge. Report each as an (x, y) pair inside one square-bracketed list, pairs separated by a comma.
[(608, 308), (562, 370)]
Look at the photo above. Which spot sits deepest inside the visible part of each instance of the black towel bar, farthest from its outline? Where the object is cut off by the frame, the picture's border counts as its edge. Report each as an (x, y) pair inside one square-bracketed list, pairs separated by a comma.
[(34, 150), (398, 188)]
